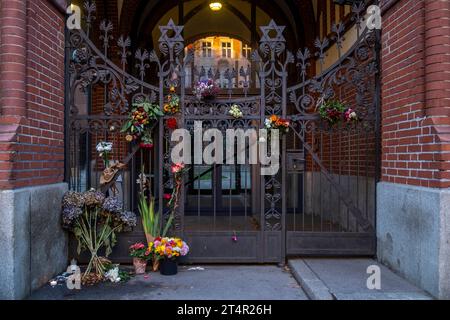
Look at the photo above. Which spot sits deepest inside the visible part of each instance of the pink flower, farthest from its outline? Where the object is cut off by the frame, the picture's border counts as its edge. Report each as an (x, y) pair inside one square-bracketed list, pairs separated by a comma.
[(178, 167), (167, 196)]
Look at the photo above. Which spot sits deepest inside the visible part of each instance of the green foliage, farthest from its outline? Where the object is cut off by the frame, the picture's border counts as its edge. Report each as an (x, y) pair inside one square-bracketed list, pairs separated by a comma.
[(151, 220), (332, 111)]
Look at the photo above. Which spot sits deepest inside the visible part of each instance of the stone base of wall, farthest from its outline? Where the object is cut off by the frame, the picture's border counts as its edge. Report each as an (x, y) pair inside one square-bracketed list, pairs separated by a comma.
[(413, 232), (33, 246)]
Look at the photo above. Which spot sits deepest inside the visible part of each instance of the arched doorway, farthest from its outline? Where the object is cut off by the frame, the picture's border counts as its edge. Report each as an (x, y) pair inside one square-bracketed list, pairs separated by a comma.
[(321, 201)]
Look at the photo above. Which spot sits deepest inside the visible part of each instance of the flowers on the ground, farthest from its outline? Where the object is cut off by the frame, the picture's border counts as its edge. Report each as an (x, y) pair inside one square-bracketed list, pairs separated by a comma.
[(169, 248), (141, 121), (140, 251), (94, 220), (172, 105), (172, 123), (276, 122), (104, 149), (204, 90), (236, 112)]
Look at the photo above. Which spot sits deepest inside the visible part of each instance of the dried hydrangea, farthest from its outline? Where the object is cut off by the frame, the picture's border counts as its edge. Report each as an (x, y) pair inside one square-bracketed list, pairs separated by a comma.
[(73, 199), (70, 214), (112, 205), (94, 198), (128, 218)]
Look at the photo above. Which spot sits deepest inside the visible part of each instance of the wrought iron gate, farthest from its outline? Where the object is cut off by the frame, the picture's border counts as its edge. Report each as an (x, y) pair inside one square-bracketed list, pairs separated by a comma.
[(321, 201)]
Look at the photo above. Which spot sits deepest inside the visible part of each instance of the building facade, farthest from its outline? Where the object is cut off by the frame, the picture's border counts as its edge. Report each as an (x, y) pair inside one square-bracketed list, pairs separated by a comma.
[(406, 172)]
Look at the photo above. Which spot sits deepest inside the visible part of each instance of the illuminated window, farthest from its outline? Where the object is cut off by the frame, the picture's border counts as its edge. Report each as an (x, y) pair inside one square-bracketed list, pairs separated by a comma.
[(226, 49), (207, 49), (246, 52)]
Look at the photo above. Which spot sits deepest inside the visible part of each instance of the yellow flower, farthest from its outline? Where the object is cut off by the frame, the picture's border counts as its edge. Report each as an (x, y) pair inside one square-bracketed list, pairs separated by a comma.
[(129, 138)]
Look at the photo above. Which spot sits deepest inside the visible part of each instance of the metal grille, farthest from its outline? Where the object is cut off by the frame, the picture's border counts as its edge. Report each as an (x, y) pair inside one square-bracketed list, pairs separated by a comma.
[(321, 201)]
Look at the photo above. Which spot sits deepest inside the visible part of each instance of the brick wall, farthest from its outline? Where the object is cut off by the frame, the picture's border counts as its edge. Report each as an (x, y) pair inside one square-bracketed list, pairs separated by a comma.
[(416, 93), (32, 94)]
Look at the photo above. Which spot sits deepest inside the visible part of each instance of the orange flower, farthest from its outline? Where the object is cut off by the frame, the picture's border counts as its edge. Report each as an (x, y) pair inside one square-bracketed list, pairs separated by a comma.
[(274, 118)]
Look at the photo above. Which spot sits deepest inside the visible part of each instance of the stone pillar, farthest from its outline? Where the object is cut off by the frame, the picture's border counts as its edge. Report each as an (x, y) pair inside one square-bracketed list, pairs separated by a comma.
[(413, 202), (33, 246)]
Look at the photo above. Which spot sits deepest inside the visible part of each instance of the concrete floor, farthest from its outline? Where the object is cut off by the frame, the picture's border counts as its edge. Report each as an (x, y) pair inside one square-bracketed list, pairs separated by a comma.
[(346, 279), (233, 282)]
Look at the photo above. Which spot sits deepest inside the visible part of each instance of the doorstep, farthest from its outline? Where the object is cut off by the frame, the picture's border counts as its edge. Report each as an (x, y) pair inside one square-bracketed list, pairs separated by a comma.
[(346, 279)]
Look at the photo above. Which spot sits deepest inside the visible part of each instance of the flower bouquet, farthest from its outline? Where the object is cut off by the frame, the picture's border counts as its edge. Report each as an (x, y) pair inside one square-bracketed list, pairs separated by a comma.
[(332, 111), (168, 250), (104, 149), (206, 90), (236, 112), (275, 122), (141, 254), (94, 220), (172, 105), (140, 123), (350, 115)]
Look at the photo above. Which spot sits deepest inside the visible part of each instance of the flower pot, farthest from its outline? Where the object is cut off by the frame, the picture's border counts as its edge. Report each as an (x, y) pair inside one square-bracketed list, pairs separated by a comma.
[(139, 265), (168, 267)]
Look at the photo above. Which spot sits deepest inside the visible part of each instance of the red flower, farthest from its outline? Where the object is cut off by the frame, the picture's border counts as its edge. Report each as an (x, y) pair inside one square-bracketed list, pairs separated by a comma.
[(171, 123), (167, 196), (146, 145), (178, 167)]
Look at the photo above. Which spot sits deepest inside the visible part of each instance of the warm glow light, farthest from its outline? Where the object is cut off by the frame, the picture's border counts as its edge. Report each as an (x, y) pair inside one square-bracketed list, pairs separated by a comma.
[(215, 6)]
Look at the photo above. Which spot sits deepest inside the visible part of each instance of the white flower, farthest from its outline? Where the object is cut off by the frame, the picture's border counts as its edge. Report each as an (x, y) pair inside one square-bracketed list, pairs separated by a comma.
[(113, 275), (353, 115), (104, 146)]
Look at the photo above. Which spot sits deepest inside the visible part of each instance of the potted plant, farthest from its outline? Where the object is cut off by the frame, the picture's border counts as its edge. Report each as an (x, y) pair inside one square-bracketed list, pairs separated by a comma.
[(206, 90), (168, 250), (141, 254)]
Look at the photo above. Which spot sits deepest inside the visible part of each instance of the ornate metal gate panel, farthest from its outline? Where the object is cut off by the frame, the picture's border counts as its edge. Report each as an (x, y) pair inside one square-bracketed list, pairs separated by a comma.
[(321, 201)]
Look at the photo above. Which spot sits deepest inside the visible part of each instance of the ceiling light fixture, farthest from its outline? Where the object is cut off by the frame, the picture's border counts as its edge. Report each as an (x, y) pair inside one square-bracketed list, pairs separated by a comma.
[(215, 6)]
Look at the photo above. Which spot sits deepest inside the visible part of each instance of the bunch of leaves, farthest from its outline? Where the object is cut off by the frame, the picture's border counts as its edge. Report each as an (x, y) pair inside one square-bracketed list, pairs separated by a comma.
[(151, 219), (332, 111), (152, 112)]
